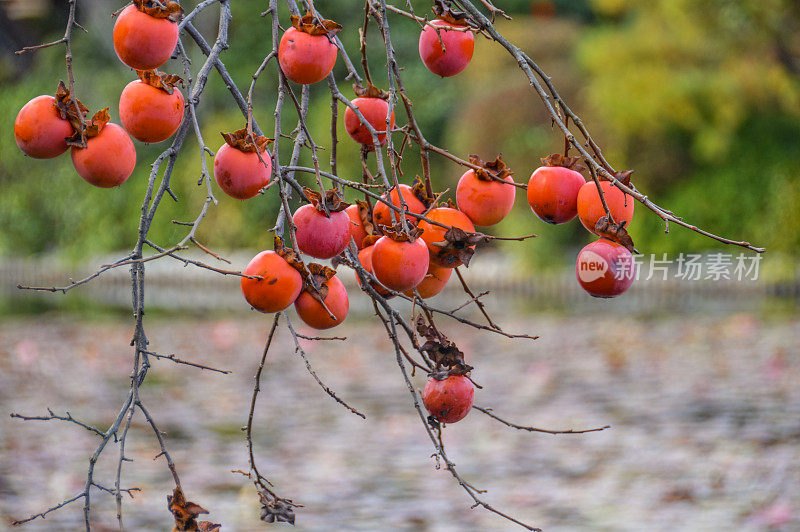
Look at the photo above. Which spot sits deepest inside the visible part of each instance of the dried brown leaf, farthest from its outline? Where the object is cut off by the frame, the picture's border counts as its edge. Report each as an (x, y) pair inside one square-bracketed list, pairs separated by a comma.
[(333, 200), (491, 170), (159, 80), (185, 512), (615, 232)]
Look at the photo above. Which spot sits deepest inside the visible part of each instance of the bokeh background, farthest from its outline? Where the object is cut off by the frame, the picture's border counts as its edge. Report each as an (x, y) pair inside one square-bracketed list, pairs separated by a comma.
[(698, 379)]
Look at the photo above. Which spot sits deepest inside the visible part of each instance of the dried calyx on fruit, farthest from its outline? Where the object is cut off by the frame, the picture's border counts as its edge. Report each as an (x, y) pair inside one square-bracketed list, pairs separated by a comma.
[(496, 170), (246, 142), (74, 111), (333, 201), (396, 233), (420, 192), (448, 359), (460, 244), (161, 9), (161, 80), (370, 91), (313, 25), (444, 10), (315, 280), (556, 159), (615, 232)]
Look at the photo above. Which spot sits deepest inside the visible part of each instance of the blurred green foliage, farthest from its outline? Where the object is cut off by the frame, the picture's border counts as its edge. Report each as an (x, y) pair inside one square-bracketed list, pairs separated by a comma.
[(701, 99)]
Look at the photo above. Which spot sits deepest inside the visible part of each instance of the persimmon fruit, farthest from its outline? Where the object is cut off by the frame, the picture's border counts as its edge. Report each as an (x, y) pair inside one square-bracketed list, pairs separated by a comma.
[(306, 58), (320, 236), (314, 314), (148, 113), (433, 234), (365, 258), (375, 111), (400, 265), (590, 208), (108, 159), (381, 214), (605, 269), (279, 287), (433, 282), (357, 230), (448, 400), (142, 41), (553, 193), (39, 130), (241, 174), (486, 202), (459, 44)]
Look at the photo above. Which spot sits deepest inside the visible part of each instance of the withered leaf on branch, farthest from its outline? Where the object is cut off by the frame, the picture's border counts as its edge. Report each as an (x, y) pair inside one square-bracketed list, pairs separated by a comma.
[(333, 200), (370, 91), (72, 110), (314, 26), (159, 80), (240, 140), (491, 170), (289, 255), (556, 159), (421, 192), (623, 176), (163, 9), (444, 10), (397, 234), (186, 512), (276, 511), (442, 351), (366, 217), (458, 245), (615, 232)]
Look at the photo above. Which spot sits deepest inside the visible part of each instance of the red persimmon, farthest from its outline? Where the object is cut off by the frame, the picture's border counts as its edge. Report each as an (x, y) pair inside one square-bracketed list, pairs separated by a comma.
[(375, 110), (279, 287), (381, 213), (590, 208), (148, 113), (486, 202), (434, 282), (433, 234), (306, 58), (143, 41), (365, 258), (448, 400), (605, 268), (108, 159), (241, 174), (314, 314), (400, 265), (457, 52), (357, 230), (320, 236), (39, 130), (553, 193)]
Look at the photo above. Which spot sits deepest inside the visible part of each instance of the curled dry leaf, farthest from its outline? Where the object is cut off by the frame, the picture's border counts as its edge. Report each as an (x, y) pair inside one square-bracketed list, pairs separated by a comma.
[(162, 9), (459, 244), (72, 110), (186, 512), (315, 281), (615, 232), (421, 193), (623, 176), (333, 200), (556, 159), (314, 26), (366, 217), (159, 80), (289, 255), (371, 91), (276, 511), (245, 142), (397, 234), (442, 351), (444, 10), (491, 170)]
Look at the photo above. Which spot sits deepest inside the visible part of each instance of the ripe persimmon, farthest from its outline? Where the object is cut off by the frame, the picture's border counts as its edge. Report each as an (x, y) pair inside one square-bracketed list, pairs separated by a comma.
[(605, 268), (307, 53), (590, 208), (381, 214), (375, 110), (150, 109), (459, 44), (553, 190), (448, 400), (242, 167), (321, 236), (365, 258), (444, 253), (144, 41), (39, 129), (108, 159), (433, 282), (485, 200), (357, 230), (400, 265), (280, 284), (314, 314)]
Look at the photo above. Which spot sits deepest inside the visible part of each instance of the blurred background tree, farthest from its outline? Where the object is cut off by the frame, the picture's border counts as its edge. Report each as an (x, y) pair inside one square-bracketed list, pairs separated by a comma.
[(701, 99)]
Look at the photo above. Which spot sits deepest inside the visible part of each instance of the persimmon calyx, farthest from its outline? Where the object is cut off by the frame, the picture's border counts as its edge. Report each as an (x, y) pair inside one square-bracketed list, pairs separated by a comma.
[(571, 163), (159, 80), (313, 25), (496, 170), (333, 200), (163, 9), (615, 232), (397, 234), (444, 10), (420, 191), (246, 142), (459, 243), (315, 281), (370, 91)]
